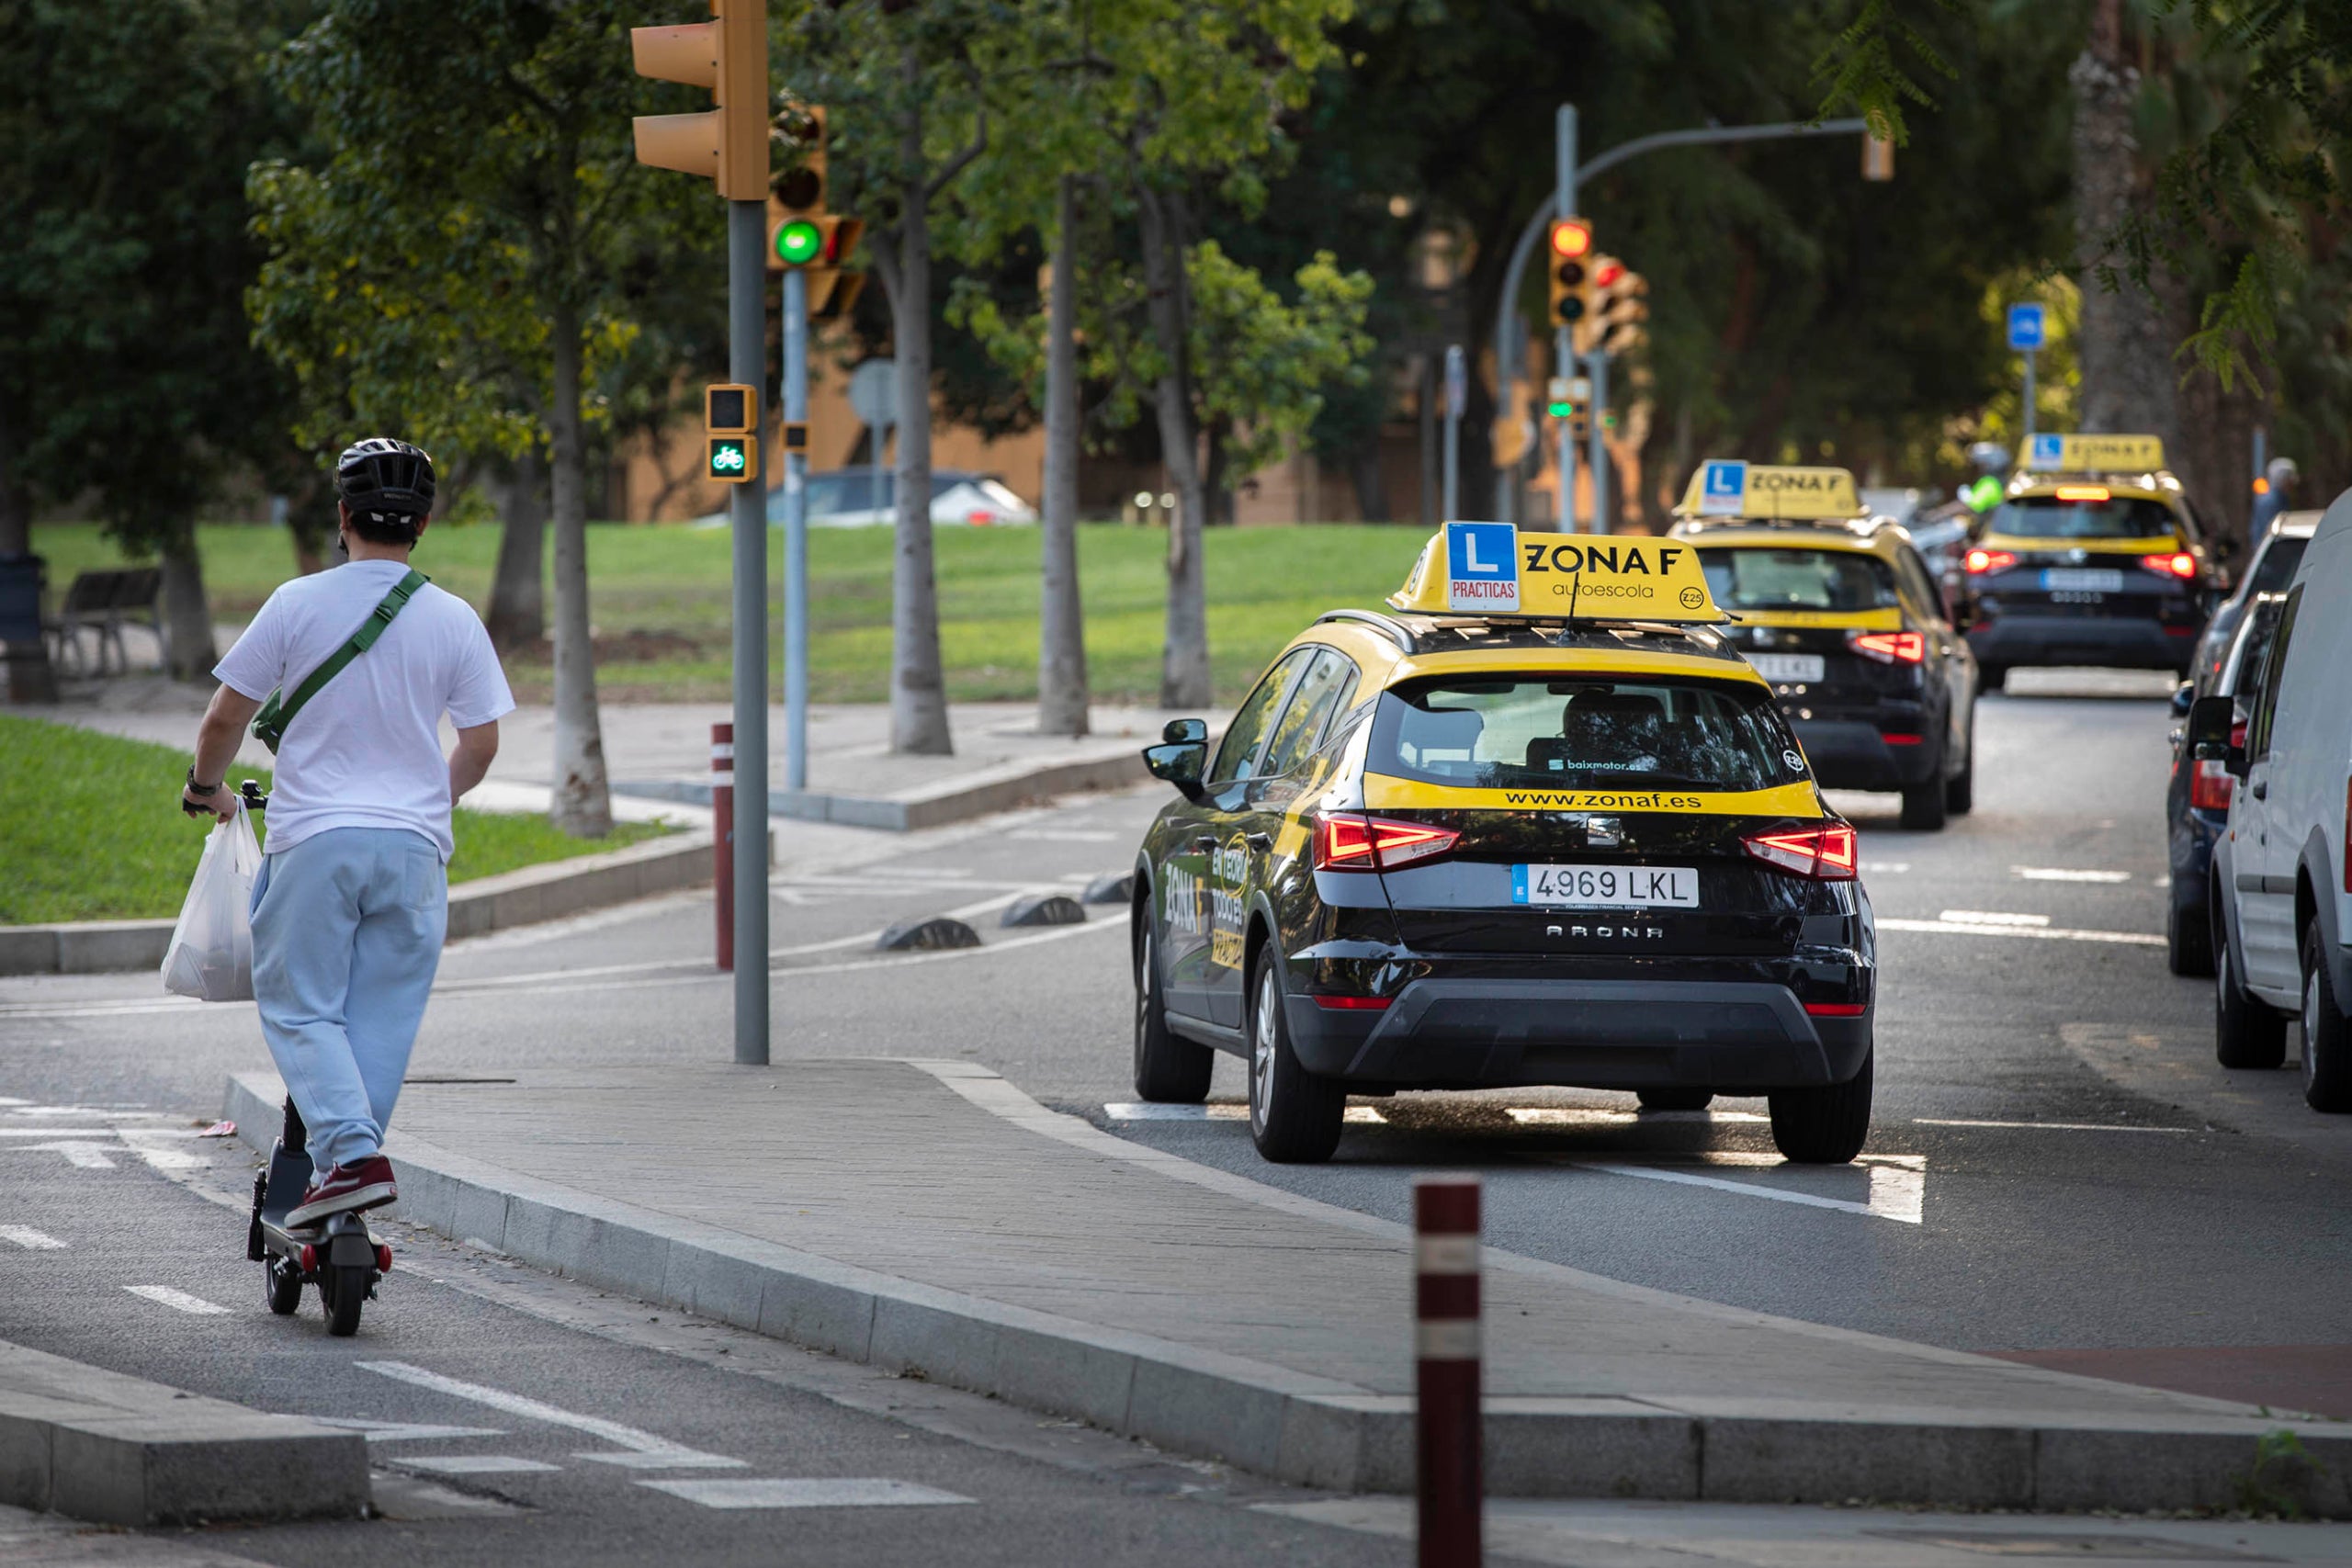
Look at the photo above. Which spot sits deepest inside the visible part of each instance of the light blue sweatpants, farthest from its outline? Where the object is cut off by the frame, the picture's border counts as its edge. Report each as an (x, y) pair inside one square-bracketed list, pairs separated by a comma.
[(347, 928)]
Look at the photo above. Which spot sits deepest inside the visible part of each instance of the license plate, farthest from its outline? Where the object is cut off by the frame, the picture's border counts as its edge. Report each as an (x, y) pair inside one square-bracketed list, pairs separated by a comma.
[(1605, 887), (1783, 669), (2072, 579)]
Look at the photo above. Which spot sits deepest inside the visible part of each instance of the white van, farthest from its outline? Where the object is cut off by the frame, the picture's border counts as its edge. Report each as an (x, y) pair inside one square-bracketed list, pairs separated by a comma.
[(2282, 881)]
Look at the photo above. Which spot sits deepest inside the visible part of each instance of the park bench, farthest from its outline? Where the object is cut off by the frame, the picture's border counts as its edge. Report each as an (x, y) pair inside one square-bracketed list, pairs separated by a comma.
[(99, 603)]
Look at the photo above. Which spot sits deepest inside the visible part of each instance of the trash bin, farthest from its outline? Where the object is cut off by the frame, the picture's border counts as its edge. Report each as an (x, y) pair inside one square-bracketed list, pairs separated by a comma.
[(21, 578)]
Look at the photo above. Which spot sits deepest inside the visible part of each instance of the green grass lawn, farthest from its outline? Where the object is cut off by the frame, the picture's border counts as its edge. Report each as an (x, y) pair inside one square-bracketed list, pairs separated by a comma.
[(659, 597), (93, 833)]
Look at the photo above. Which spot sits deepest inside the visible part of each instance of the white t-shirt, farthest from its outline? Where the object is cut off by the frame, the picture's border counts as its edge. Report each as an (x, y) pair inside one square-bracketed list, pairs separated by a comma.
[(366, 751)]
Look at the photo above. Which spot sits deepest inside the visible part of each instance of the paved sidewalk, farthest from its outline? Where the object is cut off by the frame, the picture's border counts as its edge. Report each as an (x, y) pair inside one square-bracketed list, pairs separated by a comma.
[(931, 1217)]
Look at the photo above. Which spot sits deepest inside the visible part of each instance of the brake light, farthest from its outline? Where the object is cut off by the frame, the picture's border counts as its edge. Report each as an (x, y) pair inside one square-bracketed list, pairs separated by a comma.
[(1893, 738), (2178, 563), (1836, 1009), (1824, 852), (2209, 784), (1348, 840), (2083, 492), (1889, 647), (1979, 562), (1354, 1004)]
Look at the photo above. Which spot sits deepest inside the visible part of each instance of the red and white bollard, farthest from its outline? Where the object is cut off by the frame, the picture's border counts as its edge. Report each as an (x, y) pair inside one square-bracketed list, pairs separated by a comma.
[(1445, 1348), (722, 831)]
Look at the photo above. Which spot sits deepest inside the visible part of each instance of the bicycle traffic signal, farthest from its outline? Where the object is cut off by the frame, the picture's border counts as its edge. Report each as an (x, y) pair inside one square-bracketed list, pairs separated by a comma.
[(731, 416), (1570, 277), (726, 145)]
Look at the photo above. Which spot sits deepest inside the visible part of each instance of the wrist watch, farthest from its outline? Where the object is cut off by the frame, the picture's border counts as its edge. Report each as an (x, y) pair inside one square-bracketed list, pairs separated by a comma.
[(202, 788)]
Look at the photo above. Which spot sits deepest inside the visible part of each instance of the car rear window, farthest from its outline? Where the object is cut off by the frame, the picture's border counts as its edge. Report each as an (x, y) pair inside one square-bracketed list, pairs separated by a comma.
[(1797, 580), (1506, 732), (2047, 517)]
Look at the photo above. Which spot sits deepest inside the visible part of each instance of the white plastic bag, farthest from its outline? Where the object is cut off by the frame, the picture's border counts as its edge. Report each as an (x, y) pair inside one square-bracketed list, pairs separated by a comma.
[(211, 956)]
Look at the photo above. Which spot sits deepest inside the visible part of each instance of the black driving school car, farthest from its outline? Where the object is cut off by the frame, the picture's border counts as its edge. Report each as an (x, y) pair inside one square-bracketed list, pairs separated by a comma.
[(1840, 614), (2093, 557), (1537, 823)]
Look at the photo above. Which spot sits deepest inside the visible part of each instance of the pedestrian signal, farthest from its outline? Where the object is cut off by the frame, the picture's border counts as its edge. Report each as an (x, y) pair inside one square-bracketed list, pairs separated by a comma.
[(733, 460)]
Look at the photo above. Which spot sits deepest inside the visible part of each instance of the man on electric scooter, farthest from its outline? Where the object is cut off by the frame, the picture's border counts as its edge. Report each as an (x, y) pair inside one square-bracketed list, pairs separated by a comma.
[(352, 901)]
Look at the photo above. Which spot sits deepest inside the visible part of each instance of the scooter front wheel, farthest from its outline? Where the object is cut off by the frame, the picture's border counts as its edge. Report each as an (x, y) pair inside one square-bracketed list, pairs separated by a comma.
[(281, 1286), (343, 1290)]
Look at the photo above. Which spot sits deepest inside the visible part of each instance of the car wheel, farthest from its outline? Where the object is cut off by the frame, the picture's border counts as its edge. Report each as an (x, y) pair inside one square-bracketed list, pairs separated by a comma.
[(2327, 1073), (1167, 1070), (1294, 1116), (1960, 790), (1824, 1124), (2246, 1032), (1923, 805), (2188, 941), (1991, 677), (1675, 1098)]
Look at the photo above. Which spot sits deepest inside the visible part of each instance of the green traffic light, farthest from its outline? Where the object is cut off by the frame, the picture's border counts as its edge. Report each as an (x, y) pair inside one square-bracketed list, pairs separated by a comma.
[(797, 241), (1562, 411)]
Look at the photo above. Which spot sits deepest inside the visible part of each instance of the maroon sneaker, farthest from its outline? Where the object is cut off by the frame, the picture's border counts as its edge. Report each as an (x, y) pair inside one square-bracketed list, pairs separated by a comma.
[(360, 1184)]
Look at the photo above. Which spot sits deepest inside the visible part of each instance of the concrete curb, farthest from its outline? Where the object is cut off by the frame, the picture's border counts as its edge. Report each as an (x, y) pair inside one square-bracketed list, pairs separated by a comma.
[(519, 898), (978, 794), (1320, 1432), (119, 1450)]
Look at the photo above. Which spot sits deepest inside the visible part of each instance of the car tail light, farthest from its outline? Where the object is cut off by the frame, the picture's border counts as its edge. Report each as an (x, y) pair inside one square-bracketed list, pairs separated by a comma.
[(1979, 562), (1354, 1004), (2083, 492), (2178, 564), (2209, 784), (1348, 840), (1824, 852), (1889, 647), (1836, 1009), (1895, 739)]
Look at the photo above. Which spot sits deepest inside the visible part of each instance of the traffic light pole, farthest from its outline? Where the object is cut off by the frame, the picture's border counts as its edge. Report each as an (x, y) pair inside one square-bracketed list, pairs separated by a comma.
[(1596, 453), (1564, 355), (796, 534), (748, 514)]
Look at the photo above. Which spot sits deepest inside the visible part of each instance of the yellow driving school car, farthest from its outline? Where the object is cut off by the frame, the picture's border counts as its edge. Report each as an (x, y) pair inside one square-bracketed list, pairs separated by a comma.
[(2093, 556), (1838, 610), (1535, 822)]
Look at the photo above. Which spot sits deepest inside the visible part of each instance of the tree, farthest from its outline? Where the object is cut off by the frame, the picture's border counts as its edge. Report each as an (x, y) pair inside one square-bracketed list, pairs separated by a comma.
[(460, 258), (125, 369)]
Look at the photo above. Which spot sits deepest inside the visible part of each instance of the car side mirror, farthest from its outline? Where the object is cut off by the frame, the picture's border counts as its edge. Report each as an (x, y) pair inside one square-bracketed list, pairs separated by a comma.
[(1181, 763), (2182, 695), (2210, 720), (1184, 732)]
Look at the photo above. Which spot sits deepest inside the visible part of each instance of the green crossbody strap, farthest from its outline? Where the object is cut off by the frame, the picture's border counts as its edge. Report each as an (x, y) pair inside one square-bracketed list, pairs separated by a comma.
[(269, 724)]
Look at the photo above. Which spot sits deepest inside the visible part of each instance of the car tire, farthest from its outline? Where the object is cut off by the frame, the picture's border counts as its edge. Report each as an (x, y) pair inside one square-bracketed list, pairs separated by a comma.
[(1923, 805), (2246, 1032), (1168, 1071), (1960, 790), (1675, 1098), (2188, 941), (2327, 1054), (1294, 1116), (1991, 677), (1825, 1124)]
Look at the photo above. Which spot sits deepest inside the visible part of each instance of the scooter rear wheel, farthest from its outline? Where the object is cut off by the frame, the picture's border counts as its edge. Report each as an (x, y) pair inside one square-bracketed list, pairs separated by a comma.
[(343, 1290), (281, 1286)]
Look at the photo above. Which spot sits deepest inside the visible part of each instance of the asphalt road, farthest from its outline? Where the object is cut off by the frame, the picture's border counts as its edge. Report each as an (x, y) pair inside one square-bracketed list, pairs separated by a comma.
[(2057, 1169)]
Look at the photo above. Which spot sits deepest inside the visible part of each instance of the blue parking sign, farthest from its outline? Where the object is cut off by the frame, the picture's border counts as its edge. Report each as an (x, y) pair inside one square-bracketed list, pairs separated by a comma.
[(1723, 488), (1482, 567), (2025, 327)]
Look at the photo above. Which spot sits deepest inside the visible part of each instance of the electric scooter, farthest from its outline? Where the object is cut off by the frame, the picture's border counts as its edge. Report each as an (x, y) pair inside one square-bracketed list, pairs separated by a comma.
[(339, 1254)]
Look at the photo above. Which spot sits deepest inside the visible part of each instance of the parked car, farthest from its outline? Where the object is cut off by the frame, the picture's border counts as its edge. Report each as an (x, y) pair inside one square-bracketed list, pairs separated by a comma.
[(2282, 881), (2275, 555), (2197, 802), (867, 497)]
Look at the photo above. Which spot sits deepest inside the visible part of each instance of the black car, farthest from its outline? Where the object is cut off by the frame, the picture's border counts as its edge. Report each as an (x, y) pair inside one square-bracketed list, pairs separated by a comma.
[(1440, 852), (2196, 802)]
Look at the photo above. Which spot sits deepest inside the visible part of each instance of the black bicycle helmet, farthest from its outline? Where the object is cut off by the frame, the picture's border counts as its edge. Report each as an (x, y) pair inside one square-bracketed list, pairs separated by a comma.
[(389, 481)]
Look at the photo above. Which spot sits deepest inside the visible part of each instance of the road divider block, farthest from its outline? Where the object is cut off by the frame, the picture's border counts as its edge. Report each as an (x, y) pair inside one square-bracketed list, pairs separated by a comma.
[(1044, 909), (1111, 887), (936, 932)]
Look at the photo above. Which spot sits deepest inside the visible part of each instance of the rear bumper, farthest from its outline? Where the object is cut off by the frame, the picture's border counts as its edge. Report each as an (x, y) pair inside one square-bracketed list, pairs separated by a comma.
[(1851, 754), (2120, 642), (1491, 1033)]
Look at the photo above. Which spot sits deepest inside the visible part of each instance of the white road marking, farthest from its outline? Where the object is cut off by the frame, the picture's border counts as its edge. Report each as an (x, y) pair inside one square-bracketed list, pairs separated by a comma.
[(843, 1493), (641, 1445), (1896, 1186), (402, 1432), (1592, 1116), (30, 1239), (53, 1132), (90, 1112), (1990, 917), (2066, 874), (2047, 1126), (2058, 934), (158, 1154), (178, 1301), (472, 1465), (11, 1100), (1126, 1111), (1897, 866), (1065, 835), (82, 1157)]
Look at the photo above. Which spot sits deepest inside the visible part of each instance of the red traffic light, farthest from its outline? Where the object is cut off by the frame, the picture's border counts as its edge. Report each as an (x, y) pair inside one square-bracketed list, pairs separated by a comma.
[(1607, 274), (1571, 238)]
